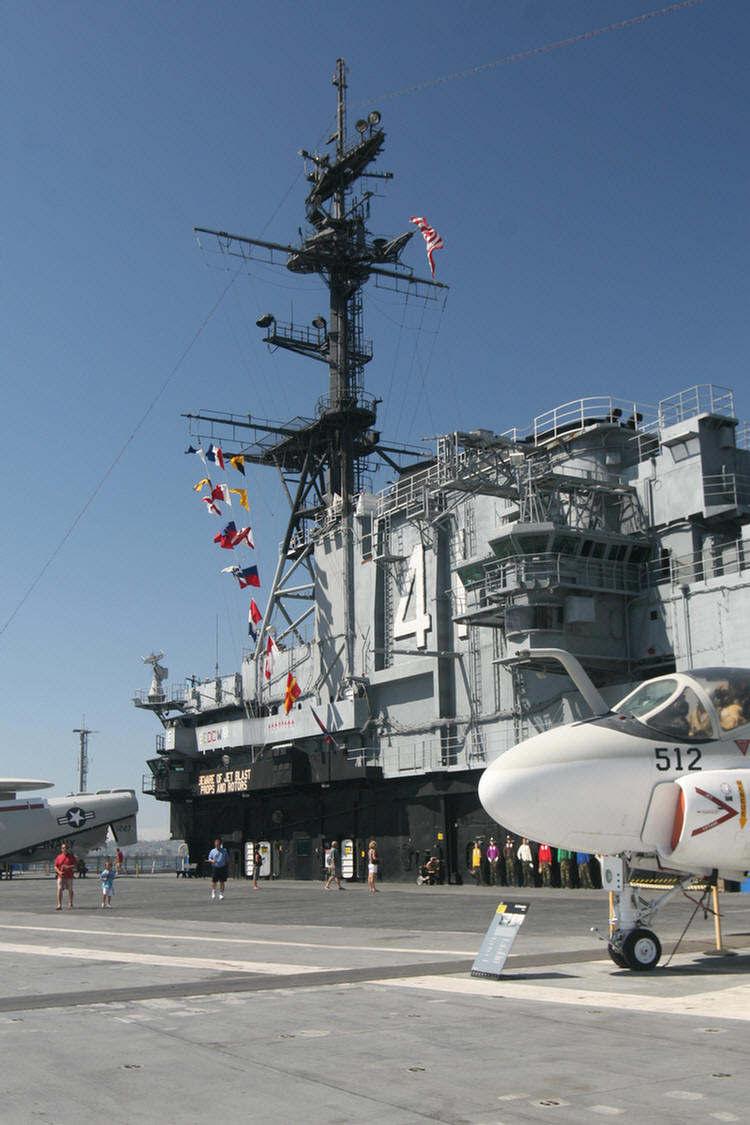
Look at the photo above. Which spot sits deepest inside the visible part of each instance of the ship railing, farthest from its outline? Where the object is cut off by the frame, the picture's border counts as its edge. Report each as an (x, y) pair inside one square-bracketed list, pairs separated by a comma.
[(742, 436), (583, 412), (433, 753), (409, 493), (532, 572), (140, 862), (456, 459), (153, 785), (726, 490), (359, 398), (715, 561), (364, 755), (307, 531), (461, 456), (173, 694), (703, 398)]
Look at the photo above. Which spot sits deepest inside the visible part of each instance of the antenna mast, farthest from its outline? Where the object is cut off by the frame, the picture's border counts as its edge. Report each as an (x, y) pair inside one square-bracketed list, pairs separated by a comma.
[(321, 460), (83, 754)]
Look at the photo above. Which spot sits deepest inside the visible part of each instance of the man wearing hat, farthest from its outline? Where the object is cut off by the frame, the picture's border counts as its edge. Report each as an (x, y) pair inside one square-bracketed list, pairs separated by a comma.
[(493, 857)]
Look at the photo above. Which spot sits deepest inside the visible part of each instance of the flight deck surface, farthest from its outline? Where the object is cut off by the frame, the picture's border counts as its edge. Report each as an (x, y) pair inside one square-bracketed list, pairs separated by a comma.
[(292, 1002)]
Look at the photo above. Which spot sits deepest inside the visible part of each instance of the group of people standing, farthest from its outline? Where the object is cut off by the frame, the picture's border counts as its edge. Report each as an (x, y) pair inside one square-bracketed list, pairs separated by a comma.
[(517, 865), (66, 865), (333, 866)]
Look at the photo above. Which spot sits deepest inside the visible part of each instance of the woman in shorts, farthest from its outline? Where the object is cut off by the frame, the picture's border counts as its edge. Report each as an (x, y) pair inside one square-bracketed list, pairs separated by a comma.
[(372, 866)]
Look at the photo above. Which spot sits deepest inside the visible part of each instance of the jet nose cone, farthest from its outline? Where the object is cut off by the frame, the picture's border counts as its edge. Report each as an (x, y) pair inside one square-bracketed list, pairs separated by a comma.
[(490, 793), (507, 797), (583, 786), (531, 791)]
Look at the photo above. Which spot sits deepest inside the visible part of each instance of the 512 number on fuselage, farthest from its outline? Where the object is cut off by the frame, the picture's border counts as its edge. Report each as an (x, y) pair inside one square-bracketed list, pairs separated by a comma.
[(677, 759)]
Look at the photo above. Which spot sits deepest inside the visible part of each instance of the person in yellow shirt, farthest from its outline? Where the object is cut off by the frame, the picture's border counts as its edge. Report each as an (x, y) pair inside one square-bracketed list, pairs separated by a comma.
[(476, 863)]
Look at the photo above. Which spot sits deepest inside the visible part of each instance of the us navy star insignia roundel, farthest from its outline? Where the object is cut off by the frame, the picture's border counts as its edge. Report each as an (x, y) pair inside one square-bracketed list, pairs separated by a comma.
[(75, 817)]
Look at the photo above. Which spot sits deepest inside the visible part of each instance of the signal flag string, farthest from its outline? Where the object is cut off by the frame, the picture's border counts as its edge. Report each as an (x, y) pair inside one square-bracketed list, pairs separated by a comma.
[(619, 26), (103, 480)]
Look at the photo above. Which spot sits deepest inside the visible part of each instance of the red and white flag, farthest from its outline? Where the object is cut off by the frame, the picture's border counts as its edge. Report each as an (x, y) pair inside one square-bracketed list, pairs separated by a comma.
[(432, 238), (244, 535), (253, 617), (271, 651)]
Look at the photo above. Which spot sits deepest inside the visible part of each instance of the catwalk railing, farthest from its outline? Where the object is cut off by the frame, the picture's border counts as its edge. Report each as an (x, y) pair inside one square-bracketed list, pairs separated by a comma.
[(714, 561)]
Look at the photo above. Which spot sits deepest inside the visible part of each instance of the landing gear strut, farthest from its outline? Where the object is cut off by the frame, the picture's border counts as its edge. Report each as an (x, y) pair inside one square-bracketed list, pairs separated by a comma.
[(631, 944)]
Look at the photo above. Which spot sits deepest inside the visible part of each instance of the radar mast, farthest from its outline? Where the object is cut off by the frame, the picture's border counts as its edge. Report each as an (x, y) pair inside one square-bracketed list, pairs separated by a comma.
[(322, 459)]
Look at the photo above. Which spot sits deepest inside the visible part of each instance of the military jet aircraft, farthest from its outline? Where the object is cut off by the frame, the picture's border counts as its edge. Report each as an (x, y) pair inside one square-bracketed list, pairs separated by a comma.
[(31, 828), (661, 781)]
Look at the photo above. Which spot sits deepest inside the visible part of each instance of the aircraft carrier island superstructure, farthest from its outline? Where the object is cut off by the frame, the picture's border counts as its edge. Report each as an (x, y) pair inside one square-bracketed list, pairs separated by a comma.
[(407, 625)]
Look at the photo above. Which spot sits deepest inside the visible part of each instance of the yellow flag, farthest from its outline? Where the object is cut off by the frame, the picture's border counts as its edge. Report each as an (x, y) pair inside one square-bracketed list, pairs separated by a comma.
[(242, 493), (199, 486)]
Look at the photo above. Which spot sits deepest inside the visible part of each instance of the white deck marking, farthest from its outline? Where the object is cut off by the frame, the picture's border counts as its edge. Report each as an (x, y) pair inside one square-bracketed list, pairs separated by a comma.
[(203, 939), (205, 964), (727, 1003)]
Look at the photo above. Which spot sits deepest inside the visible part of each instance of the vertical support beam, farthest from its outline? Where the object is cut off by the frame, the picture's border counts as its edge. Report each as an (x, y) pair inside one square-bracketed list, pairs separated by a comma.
[(717, 918)]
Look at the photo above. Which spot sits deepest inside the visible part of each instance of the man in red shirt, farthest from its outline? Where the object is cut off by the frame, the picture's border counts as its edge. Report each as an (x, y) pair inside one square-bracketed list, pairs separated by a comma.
[(65, 866)]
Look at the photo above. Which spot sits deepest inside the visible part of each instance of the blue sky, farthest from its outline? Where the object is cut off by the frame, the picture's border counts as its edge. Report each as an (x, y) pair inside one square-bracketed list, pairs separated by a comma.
[(592, 199)]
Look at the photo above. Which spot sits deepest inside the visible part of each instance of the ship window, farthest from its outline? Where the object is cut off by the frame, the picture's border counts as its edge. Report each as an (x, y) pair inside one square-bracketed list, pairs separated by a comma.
[(681, 450), (527, 618), (566, 544), (597, 550), (504, 549), (532, 544), (365, 537)]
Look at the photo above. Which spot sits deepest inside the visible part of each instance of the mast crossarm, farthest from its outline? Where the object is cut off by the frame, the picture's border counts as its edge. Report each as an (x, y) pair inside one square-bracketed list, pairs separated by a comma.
[(408, 277), (226, 240)]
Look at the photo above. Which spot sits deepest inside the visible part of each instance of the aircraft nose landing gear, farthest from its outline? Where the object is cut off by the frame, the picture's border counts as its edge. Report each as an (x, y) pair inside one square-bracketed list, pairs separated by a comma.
[(630, 944)]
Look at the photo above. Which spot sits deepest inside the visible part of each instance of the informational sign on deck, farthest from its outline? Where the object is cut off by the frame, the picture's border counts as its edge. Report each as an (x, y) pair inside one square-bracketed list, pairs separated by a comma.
[(501, 933)]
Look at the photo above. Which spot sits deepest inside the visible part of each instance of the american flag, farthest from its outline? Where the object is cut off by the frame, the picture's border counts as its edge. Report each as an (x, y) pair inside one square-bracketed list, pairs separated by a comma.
[(432, 238)]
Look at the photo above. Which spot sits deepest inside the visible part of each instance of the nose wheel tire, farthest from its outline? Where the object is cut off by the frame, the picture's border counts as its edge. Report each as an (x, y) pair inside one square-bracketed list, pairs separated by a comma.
[(617, 957), (641, 950)]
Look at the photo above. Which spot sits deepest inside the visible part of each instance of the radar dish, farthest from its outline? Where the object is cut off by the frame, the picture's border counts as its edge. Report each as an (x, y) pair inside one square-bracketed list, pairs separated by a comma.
[(9, 786)]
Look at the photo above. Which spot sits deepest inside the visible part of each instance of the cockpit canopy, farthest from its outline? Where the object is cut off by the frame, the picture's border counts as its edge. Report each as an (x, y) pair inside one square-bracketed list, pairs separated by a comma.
[(695, 706)]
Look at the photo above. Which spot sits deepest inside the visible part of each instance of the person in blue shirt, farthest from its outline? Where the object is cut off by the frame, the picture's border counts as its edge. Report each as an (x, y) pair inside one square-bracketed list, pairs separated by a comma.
[(584, 871), (108, 879), (218, 857)]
